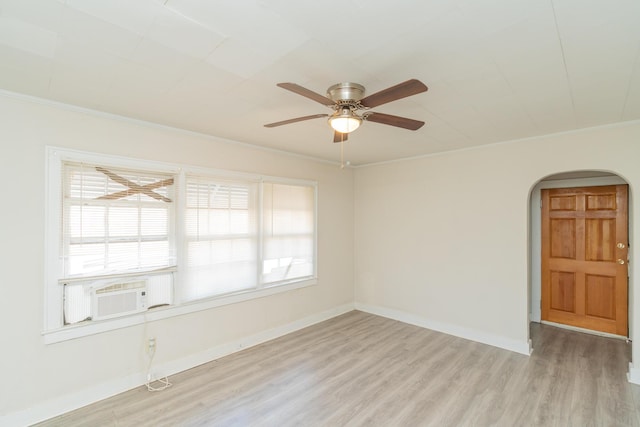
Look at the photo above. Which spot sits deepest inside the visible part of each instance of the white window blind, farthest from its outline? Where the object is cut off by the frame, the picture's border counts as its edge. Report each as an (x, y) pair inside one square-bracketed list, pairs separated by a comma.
[(221, 237), (288, 232), (114, 222)]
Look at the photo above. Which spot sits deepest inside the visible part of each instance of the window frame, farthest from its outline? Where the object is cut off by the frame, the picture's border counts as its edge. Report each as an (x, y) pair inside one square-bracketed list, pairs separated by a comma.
[(55, 331)]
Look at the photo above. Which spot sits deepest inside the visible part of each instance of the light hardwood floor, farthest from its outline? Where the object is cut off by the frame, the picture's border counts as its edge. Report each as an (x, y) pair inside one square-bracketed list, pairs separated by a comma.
[(363, 370)]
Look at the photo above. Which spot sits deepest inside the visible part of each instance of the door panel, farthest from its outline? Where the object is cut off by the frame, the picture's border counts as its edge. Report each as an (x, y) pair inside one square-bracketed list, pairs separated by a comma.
[(563, 291), (600, 239), (600, 296), (563, 238), (584, 269)]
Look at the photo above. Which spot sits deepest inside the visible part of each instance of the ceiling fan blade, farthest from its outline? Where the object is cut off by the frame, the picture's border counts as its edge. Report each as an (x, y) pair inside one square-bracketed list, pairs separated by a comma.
[(399, 91), (297, 119), (340, 137), (388, 119), (307, 93)]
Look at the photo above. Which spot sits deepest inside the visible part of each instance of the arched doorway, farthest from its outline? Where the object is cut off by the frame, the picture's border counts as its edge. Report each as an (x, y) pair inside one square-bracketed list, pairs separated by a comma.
[(589, 178)]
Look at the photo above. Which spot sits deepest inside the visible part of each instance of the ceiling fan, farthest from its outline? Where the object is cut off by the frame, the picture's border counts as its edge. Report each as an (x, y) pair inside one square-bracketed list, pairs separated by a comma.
[(351, 107)]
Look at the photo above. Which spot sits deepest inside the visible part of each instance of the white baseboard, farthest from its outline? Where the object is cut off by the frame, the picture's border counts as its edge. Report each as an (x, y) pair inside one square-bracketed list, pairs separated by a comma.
[(72, 401), (522, 347), (634, 374), (69, 402)]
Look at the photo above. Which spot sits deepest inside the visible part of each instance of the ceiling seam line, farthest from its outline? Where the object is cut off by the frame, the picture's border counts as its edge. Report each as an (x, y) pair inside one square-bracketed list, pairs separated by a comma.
[(564, 60), (515, 93), (626, 96)]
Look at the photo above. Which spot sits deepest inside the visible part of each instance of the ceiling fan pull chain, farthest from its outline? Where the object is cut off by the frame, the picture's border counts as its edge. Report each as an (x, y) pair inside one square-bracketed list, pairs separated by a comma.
[(342, 154)]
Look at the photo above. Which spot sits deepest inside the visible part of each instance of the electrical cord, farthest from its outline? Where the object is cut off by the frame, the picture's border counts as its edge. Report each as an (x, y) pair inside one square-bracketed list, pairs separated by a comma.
[(165, 384)]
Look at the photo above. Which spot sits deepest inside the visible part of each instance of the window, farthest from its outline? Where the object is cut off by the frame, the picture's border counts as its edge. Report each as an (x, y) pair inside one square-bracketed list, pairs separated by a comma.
[(114, 222), (220, 237), (289, 230), (127, 236)]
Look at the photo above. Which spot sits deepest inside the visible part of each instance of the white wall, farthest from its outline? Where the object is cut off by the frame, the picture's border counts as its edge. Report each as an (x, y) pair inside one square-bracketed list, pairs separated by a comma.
[(443, 241), (440, 241), (39, 379)]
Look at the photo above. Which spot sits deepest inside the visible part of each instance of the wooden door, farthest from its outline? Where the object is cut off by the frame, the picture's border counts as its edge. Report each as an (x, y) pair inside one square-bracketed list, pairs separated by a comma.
[(584, 257)]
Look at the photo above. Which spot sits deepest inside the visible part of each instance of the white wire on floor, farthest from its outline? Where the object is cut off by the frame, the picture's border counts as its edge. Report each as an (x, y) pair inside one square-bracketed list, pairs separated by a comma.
[(151, 352), (164, 381)]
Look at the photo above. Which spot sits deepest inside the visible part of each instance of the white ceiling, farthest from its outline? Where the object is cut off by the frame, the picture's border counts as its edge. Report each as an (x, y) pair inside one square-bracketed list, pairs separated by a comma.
[(497, 70)]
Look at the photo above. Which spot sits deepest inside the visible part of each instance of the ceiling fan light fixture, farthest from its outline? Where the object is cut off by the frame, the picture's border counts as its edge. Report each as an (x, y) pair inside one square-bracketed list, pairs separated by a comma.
[(345, 121)]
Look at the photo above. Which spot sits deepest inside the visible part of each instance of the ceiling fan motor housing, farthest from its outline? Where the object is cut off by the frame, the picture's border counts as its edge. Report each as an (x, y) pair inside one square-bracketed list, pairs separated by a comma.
[(346, 92)]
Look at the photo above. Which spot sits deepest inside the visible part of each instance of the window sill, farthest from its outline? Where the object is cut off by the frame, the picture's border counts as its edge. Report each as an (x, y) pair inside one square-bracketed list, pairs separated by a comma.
[(95, 327)]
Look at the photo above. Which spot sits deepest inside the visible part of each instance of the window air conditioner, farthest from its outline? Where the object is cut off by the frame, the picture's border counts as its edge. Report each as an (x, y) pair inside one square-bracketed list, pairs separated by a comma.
[(118, 299)]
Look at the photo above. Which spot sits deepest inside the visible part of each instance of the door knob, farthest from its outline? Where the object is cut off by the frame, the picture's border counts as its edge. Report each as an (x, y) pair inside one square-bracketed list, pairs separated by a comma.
[(621, 245), (620, 261)]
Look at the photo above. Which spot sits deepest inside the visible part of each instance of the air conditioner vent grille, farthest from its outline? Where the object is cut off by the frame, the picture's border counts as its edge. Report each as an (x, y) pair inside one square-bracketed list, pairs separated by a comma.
[(121, 287), (119, 299)]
